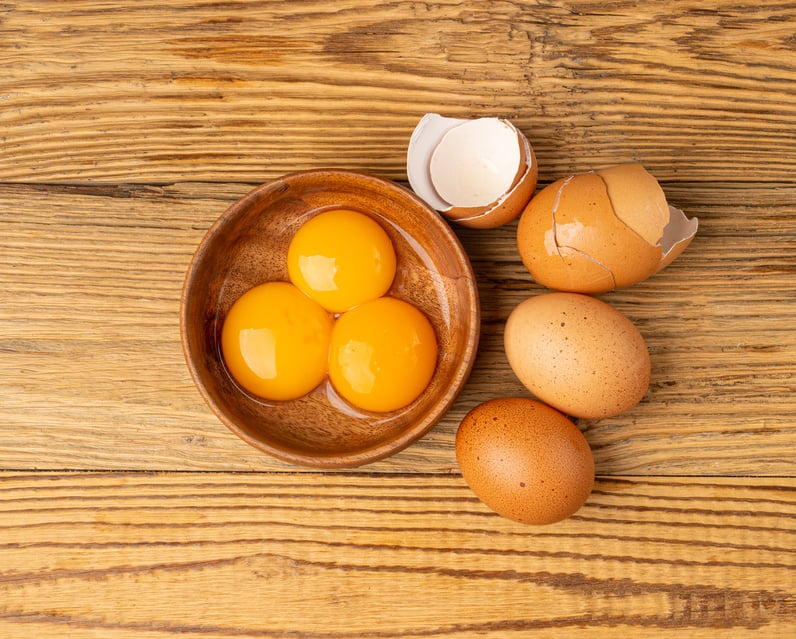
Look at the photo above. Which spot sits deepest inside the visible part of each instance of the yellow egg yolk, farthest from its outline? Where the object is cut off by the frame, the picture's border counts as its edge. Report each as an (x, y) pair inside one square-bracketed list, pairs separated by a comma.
[(341, 258), (275, 341), (383, 354)]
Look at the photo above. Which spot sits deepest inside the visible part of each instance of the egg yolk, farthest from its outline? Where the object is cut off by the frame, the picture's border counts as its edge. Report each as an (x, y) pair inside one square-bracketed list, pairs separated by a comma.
[(341, 258), (383, 354), (275, 341)]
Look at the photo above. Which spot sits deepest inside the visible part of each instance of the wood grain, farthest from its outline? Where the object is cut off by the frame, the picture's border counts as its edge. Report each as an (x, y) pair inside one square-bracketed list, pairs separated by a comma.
[(90, 338), (245, 91), (283, 555)]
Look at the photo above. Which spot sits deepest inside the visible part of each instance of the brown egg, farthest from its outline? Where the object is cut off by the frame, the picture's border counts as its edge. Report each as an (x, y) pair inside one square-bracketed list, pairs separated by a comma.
[(525, 460), (479, 173), (593, 232), (578, 354)]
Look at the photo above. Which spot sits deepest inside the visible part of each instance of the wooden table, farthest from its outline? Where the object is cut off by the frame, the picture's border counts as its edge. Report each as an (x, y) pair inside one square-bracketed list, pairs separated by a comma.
[(128, 510)]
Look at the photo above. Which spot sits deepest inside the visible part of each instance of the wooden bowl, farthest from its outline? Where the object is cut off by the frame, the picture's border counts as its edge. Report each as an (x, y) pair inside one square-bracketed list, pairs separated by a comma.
[(248, 245)]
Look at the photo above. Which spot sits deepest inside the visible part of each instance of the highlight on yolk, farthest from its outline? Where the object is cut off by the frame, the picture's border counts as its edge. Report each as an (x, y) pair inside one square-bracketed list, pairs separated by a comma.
[(341, 258), (275, 341), (383, 354)]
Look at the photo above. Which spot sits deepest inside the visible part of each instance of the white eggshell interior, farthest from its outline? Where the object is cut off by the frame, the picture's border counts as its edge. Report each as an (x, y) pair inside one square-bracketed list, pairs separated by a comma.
[(475, 162), (425, 138), (679, 228)]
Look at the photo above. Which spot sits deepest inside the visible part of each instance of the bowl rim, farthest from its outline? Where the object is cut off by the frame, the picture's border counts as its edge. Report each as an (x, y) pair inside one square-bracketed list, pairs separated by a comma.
[(413, 431)]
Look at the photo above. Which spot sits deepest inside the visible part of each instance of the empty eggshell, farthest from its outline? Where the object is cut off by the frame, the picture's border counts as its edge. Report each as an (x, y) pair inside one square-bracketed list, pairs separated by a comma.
[(476, 162), (525, 460), (597, 231), (479, 173)]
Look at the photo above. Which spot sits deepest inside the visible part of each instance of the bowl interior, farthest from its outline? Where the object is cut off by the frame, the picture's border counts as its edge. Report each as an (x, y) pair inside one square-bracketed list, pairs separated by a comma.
[(248, 246)]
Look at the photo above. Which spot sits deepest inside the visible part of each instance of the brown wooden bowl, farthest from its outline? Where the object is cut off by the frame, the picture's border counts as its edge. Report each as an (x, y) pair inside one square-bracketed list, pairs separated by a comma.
[(248, 245)]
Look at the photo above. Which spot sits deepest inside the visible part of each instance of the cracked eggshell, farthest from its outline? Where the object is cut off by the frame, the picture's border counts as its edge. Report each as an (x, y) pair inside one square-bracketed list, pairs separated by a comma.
[(479, 173), (597, 231)]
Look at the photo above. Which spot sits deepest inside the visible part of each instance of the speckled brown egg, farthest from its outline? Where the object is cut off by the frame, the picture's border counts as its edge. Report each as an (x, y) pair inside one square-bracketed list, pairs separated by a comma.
[(578, 354), (525, 460)]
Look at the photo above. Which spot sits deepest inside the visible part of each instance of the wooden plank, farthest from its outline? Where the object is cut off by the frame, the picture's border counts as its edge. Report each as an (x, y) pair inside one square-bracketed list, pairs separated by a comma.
[(345, 556), (245, 91), (94, 377)]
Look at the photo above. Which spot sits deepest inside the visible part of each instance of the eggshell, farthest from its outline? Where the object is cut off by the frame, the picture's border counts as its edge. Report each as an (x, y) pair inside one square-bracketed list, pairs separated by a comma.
[(511, 204), (596, 231), (637, 199), (476, 162), (427, 135), (479, 173), (676, 236), (525, 460), (578, 354)]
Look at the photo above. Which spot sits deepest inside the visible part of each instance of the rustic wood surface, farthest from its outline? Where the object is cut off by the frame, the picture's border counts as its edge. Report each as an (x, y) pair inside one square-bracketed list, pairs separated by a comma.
[(350, 556), (128, 510)]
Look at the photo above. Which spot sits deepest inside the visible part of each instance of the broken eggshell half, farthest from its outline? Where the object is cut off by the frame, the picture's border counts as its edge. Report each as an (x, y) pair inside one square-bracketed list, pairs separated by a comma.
[(479, 173), (597, 231)]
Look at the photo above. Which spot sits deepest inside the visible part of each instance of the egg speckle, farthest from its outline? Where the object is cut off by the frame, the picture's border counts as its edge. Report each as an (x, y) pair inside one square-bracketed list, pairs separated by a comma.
[(525, 460), (578, 354)]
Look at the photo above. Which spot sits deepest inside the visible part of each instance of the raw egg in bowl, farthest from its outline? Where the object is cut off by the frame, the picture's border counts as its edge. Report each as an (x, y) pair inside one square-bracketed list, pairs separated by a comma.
[(256, 305)]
